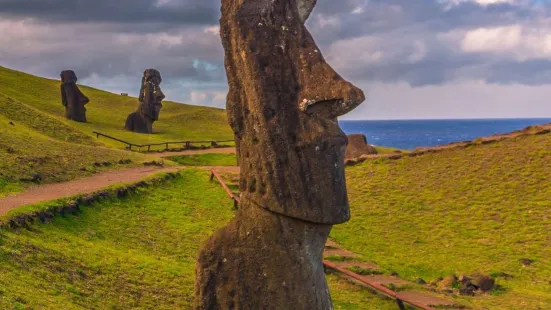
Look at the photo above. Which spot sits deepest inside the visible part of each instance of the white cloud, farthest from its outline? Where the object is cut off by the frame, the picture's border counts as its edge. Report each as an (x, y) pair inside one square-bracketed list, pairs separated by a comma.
[(521, 42)]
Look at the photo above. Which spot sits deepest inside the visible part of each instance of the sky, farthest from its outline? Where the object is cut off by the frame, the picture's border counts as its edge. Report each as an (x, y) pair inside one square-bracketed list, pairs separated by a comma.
[(414, 59)]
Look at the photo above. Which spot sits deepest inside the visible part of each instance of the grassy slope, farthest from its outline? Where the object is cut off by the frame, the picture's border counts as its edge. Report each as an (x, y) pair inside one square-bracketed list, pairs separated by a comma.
[(461, 211), (25, 152), (107, 112), (44, 142), (138, 253), (206, 160)]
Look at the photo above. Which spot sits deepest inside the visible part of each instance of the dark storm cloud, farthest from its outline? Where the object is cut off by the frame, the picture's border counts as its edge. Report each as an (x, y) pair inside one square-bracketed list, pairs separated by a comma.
[(117, 11)]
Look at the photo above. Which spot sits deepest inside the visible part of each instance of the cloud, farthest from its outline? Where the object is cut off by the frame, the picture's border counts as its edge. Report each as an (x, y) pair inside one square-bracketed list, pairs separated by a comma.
[(418, 43)]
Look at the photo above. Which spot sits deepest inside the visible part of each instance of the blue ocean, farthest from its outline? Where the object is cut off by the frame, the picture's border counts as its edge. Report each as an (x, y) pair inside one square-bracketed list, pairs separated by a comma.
[(410, 134)]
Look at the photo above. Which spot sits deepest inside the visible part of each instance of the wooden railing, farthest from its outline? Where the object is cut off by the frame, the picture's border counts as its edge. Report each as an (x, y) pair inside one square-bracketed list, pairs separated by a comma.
[(400, 299), (186, 144), (235, 199)]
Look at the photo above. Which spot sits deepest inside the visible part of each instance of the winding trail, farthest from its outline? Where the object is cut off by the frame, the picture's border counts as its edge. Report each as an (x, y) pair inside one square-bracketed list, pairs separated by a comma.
[(86, 185), (48, 192)]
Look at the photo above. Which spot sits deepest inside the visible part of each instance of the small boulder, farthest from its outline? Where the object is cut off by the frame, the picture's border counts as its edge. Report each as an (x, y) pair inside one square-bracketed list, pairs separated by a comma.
[(483, 282), (37, 178), (526, 261), (420, 281)]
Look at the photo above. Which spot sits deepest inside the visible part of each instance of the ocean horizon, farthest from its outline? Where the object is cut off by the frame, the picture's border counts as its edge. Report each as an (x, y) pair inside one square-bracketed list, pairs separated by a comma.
[(414, 133)]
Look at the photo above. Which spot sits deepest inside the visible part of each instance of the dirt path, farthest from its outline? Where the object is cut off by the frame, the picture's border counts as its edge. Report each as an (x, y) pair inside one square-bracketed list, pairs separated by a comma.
[(225, 150), (48, 192), (85, 185)]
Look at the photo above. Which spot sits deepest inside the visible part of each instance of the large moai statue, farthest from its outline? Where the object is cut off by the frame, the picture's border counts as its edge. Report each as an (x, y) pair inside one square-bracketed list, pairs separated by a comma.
[(283, 104), (151, 98), (72, 98)]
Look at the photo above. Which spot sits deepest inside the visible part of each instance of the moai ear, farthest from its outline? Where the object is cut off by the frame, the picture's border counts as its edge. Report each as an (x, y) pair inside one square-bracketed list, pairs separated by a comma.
[(305, 7)]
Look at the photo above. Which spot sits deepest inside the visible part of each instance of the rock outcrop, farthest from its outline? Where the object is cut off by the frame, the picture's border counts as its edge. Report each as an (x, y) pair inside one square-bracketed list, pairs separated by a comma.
[(357, 146), (72, 98), (151, 98), (283, 104)]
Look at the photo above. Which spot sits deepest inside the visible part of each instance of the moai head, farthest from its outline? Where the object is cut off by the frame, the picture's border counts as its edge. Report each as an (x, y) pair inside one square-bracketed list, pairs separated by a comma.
[(151, 96), (72, 98), (283, 104)]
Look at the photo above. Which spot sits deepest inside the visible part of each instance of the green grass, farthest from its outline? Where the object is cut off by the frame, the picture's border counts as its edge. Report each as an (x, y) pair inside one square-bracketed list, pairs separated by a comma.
[(138, 252), (388, 150), (26, 152), (206, 160), (479, 209), (35, 137), (107, 112)]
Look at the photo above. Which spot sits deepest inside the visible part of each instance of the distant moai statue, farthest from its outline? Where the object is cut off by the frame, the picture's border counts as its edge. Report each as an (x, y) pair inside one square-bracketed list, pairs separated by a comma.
[(151, 98), (72, 98), (358, 146), (282, 105)]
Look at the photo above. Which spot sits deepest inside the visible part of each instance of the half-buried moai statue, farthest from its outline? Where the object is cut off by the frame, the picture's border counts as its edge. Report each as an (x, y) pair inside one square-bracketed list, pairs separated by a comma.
[(151, 98), (358, 146), (72, 98), (283, 104)]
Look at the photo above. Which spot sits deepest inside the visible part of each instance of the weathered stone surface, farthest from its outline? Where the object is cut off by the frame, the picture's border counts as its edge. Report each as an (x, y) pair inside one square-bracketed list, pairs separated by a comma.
[(485, 283), (282, 105), (358, 146), (72, 98), (151, 98)]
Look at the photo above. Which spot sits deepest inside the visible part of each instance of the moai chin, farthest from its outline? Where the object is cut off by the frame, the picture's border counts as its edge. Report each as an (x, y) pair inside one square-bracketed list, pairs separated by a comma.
[(151, 98), (72, 98), (282, 105)]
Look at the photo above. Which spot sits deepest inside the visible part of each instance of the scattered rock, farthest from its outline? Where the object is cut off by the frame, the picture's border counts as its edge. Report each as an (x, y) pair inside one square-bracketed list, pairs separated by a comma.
[(467, 291), (483, 282), (394, 274), (448, 282), (10, 150), (526, 261), (420, 281), (154, 163), (125, 161), (11, 123), (106, 164), (97, 164)]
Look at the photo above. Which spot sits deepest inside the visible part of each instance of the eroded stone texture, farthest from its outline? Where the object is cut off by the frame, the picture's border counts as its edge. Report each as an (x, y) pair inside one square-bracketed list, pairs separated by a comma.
[(358, 146), (151, 98), (282, 105), (72, 98)]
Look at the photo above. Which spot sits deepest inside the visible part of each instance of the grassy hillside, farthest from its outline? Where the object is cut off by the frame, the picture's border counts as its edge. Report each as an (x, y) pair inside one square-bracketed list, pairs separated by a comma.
[(107, 112), (134, 253), (26, 153), (485, 208)]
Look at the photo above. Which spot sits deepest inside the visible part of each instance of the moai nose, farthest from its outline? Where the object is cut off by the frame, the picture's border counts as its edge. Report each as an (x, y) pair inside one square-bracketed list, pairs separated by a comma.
[(331, 98), (160, 95)]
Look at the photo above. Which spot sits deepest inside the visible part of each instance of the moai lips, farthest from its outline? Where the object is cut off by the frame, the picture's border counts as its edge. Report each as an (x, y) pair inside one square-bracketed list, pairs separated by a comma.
[(72, 98), (151, 98), (283, 105)]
